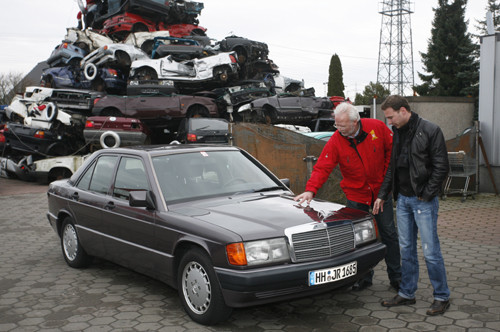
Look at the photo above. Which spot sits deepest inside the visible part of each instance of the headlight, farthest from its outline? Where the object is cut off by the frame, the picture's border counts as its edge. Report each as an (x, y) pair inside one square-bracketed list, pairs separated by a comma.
[(258, 252), (364, 232)]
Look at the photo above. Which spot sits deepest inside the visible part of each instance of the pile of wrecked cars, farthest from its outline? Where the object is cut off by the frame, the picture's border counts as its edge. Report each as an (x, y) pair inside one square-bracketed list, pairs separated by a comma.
[(130, 73)]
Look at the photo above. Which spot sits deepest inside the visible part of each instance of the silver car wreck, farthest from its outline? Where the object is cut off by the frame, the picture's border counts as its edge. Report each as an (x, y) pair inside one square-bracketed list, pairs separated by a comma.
[(217, 67)]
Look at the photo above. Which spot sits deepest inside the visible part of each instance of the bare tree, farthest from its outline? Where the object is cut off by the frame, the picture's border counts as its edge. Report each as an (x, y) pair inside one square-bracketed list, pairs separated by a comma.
[(10, 84)]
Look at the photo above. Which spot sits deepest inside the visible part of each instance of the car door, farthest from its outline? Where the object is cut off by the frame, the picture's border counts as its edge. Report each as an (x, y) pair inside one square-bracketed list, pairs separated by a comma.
[(309, 107), (290, 107), (88, 201), (170, 68), (143, 107), (130, 229)]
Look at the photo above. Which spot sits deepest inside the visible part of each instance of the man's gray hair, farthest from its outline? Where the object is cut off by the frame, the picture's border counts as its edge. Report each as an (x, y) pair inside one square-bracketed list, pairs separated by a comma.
[(349, 109)]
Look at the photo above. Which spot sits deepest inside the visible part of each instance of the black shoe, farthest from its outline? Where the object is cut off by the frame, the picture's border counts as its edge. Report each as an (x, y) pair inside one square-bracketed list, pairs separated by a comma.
[(438, 308), (397, 300), (361, 284), (395, 284)]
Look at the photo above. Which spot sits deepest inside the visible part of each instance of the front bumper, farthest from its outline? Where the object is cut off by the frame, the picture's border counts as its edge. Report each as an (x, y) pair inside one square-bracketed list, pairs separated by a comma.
[(271, 284)]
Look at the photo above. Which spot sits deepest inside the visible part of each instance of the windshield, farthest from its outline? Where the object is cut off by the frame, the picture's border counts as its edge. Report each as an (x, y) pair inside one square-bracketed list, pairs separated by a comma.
[(198, 175)]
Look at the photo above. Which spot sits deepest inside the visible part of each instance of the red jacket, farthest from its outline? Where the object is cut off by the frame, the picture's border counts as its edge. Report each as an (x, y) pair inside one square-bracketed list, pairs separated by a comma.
[(363, 161)]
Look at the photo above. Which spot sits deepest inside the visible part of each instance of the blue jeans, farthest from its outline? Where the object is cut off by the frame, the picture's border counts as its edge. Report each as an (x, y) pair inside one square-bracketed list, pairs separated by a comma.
[(414, 215), (389, 236)]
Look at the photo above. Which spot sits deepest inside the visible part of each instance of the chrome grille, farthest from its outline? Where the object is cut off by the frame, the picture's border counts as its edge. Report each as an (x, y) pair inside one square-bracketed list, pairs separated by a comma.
[(322, 243)]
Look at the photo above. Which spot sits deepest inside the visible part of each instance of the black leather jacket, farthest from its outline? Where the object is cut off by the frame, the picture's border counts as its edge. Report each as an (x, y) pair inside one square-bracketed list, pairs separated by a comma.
[(428, 160)]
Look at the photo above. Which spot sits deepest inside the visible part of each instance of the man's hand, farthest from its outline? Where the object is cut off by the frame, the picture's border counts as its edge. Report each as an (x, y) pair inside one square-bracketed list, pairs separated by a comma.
[(306, 196), (378, 206)]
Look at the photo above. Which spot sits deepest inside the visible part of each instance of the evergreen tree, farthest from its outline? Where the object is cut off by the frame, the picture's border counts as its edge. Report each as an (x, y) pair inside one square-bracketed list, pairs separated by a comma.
[(371, 90), (493, 7), (450, 61), (335, 79)]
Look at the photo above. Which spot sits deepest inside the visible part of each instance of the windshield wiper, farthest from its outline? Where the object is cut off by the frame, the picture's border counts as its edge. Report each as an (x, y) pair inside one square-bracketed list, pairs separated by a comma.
[(269, 189)]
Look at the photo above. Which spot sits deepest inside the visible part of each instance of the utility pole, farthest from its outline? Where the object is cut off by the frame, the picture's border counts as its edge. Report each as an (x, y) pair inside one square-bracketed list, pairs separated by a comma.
[(395, 57)]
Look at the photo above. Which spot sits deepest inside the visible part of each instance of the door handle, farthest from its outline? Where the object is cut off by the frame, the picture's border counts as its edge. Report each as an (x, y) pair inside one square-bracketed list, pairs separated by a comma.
[(109, 206)]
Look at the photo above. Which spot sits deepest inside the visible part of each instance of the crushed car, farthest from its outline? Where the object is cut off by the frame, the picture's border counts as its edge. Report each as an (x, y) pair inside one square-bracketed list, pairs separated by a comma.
[(220, 68), (252, 56), (43, 143), (66, 54), (113, 56), (203, 130), (179, 48), (110, 80), (286, 109), (157, 112), (112, 132), (213, 223), (88, 40)]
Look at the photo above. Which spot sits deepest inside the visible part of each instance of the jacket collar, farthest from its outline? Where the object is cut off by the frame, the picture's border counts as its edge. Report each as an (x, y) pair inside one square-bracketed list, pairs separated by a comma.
[(360, 137)]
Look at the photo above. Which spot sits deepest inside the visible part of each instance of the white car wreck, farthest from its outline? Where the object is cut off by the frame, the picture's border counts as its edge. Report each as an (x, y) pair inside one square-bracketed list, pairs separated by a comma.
[(121, 55), (217, 67), (87, 40)]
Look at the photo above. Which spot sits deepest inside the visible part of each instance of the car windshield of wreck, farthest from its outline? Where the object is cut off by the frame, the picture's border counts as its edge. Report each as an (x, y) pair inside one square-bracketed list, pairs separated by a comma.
[(197, 175)]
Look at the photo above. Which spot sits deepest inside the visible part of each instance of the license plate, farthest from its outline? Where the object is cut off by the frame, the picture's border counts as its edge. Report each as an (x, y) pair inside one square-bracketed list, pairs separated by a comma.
[(332, 274)]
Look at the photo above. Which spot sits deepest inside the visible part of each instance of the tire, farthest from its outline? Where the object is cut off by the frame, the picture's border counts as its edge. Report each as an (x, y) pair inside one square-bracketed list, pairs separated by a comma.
[(123, 59), (73, 252), (198, 111), (221, 74), (199, 289), (270, 115), (59, 174), (146, 74), (90, 71), (51, 112), (109, 139)]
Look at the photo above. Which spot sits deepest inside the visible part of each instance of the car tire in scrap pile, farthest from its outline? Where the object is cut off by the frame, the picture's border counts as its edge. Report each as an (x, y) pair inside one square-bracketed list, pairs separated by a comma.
[(109, 139)]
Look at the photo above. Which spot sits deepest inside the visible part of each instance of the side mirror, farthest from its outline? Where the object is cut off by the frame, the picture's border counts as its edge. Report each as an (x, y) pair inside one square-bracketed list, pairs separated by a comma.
[(286, 182), (142, 198)]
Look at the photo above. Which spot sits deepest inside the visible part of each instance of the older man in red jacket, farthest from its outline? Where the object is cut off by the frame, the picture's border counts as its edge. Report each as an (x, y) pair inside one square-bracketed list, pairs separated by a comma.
[(362, 149)]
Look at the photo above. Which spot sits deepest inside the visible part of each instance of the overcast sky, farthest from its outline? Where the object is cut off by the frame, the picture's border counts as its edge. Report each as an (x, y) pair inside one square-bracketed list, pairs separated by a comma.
[(302, 35)]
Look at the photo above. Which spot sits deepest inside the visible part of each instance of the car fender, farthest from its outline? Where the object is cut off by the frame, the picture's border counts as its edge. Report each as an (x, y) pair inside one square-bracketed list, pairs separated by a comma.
[(17, 106)]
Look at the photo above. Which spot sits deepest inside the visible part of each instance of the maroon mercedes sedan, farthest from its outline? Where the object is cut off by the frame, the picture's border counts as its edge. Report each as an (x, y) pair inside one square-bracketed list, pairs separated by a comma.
[(212, 222)]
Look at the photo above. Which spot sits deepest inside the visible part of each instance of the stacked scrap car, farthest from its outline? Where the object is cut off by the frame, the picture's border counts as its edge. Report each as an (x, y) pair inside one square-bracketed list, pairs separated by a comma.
[(158, 67)]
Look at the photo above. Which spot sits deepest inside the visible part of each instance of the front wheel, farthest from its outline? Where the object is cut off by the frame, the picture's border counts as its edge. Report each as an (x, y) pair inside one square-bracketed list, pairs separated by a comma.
[(199, 289), (73, 252)]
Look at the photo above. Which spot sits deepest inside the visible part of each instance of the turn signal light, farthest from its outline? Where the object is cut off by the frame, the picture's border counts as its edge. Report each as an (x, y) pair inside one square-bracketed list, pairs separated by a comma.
[(236, 254), (39, 134), (89, 124)]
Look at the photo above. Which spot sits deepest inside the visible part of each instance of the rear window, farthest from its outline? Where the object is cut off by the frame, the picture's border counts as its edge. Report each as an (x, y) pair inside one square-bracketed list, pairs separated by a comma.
[(208, 124)]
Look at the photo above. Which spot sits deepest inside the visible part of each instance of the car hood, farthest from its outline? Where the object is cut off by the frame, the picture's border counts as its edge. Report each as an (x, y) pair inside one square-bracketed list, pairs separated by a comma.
[(257, 216)]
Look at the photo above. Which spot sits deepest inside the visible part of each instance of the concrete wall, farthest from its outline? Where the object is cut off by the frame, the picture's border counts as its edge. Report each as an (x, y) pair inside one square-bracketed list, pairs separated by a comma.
[(452, 114)]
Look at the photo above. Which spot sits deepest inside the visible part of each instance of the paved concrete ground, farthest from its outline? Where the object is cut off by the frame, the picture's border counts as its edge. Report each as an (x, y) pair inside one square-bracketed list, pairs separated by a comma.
[(39, 292)]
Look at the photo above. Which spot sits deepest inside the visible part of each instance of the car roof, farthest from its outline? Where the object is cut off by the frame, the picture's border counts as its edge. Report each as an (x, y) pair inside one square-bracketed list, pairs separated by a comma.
[(319, 134), (155, 150)]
